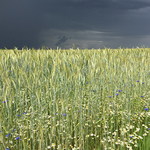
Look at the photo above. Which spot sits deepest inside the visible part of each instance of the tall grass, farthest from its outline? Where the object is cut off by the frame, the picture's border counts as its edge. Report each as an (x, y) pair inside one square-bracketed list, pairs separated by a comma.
[(75, 99)]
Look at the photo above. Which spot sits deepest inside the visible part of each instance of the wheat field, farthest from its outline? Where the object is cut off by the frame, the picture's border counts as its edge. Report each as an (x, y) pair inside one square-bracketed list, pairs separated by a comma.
[(75, 99)]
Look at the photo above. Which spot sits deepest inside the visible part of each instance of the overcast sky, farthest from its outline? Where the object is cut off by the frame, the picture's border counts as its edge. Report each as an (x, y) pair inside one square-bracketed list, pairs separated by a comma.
[(85, 23)]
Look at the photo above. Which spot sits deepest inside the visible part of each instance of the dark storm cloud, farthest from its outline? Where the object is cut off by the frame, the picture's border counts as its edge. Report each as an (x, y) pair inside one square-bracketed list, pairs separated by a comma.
[(86, 23), (20, 23), (102, 4)]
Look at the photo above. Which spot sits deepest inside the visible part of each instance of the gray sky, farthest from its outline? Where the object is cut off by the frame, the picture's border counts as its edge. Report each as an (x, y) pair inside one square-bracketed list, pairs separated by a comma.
[(85, 23)]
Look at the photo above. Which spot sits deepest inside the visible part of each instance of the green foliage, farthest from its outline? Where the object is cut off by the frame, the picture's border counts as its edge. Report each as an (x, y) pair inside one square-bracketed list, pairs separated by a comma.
[(75, 99)]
